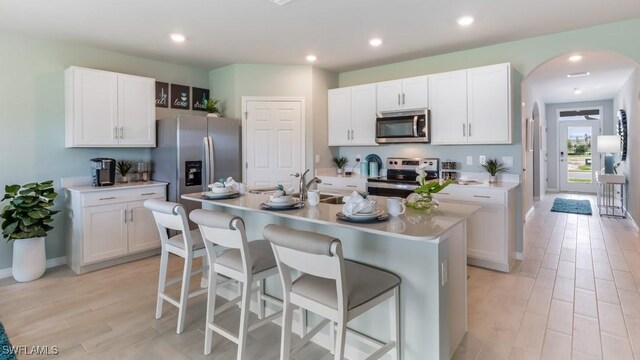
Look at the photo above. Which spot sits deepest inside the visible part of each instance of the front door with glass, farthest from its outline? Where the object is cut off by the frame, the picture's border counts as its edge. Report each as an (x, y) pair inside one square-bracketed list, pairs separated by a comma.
[(578, 157)]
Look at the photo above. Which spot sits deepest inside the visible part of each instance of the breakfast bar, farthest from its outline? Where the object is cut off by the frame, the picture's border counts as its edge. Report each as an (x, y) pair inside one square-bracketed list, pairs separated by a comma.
[(427, 250)]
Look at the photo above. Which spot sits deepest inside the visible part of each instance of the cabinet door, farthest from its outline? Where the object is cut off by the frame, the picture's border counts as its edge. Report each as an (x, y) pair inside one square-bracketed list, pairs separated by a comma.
[(448, 102), (143, 233), (486, 236), (489, 105), (389, 95), (104, 232), (363, 115), (92, 107), (136, 111), (339, 121), (415, 93)]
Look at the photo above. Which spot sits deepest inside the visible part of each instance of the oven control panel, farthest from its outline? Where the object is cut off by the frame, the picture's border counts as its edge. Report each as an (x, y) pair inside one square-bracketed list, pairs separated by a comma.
[(412, 163)]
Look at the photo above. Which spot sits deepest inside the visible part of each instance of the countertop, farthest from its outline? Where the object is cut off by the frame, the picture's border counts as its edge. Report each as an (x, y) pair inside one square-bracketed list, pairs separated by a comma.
[(488, 185), (413, 225), (119, 186)]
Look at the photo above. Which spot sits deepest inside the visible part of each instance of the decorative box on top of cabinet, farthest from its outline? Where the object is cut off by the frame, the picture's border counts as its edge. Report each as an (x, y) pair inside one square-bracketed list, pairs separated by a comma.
[(108, 109), (110, 225)]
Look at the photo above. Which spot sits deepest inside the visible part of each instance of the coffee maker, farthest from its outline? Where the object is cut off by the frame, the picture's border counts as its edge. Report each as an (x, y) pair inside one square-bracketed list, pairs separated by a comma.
[(103, 171)]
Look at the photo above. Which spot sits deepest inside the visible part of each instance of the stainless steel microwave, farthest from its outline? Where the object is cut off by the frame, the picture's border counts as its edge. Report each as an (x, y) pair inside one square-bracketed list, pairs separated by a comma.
[(403, 127)]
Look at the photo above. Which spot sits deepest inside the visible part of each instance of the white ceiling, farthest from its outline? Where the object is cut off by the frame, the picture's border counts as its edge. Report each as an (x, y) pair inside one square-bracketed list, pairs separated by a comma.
[(608, 72), (221, 32)]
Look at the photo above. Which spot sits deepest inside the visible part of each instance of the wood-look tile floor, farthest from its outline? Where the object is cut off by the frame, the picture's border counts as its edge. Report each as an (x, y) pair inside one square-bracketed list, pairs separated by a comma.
[(575, 296)]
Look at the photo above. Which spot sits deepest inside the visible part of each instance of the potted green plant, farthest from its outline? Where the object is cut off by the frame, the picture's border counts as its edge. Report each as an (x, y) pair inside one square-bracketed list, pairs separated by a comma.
[(212, 107), (340, 162), (124, 168), (26, 219), (421, 198), (493, 167)]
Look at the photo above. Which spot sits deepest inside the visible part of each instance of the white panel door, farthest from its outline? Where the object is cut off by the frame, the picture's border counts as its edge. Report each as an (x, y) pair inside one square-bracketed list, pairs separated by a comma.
[(142, 231), (389, 96), (339, 116), (136, 111), (273, 142), (95, 108), (415, 93), (104, 232), (363, 115), (489, 108), (448, 103)]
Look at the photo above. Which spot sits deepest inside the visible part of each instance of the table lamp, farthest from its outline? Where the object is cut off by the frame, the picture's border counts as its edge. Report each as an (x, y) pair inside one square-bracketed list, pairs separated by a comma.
[(609, 144)]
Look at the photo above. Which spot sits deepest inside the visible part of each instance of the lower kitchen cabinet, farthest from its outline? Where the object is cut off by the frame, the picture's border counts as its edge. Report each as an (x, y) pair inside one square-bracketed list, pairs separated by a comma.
[(342, 184), (491, 231), (109, 226)]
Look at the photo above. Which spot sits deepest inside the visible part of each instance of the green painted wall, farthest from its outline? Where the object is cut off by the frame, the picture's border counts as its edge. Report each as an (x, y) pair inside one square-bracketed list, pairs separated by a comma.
[(32, 114)]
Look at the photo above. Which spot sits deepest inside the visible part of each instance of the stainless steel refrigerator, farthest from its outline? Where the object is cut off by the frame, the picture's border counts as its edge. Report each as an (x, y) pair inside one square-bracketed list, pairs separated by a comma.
[(193, 152)]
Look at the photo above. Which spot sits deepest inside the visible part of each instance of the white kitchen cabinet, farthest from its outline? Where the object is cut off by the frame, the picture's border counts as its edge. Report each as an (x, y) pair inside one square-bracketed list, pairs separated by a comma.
[(489, 105), (404, 94), (471, 106), (352, 116), (107, 109), (110, 225), (448, 100), (491, 231)]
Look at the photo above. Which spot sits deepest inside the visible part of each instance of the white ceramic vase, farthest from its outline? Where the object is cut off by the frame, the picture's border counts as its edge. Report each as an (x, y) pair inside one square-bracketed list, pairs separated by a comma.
[(492, 179), (213, 115), (339, 171), (29, 259)]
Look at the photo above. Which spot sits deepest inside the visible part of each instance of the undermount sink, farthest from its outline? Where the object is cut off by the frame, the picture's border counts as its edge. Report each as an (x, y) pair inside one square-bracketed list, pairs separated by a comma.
[(331, 199)]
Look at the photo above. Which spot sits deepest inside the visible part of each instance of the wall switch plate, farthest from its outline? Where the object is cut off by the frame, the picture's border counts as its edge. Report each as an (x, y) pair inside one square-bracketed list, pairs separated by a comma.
[(317, 159), (482, 159), (507, 160), (358, 158), (445, 272), (469, 160)]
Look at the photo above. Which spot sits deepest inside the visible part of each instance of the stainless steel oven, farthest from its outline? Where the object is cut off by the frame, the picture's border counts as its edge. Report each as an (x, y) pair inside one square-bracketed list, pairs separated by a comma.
[(403, 127), (401, 176)]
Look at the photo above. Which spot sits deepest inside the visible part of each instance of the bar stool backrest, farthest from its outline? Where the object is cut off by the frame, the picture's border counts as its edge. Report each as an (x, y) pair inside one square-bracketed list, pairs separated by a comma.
[(172, 216)]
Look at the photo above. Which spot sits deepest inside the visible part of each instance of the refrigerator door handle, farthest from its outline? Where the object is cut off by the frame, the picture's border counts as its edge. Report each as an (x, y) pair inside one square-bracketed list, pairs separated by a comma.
[(206, 164), (212, 158)]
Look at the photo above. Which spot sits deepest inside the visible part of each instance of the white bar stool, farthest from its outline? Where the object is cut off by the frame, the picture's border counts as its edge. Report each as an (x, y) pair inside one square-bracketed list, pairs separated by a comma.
[(334, 288), (188, 245), (246, 262)]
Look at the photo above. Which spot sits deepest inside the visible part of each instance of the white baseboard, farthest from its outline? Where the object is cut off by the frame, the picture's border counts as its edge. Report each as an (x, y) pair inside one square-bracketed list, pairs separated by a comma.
[(633, 221), (519, 255), (529, 213), (5, 273)]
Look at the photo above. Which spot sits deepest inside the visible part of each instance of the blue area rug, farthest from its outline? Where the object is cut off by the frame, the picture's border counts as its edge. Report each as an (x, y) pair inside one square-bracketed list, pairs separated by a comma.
[(6, 351), (571, 206)]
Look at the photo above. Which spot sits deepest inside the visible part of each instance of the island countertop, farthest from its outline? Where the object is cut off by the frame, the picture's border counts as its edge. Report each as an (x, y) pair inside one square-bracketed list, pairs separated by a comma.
[(412, 225)]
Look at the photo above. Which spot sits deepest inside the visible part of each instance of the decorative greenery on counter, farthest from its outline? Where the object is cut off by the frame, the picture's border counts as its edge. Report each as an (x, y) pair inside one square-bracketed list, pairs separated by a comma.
[(28, 214), (124, 167), (493, 167), (340, 161), (421, 198)]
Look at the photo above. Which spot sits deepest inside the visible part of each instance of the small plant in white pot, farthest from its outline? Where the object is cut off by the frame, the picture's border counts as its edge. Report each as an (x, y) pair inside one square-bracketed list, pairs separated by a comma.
[(124, 168), (212, 107), (340, 162), (26, 219), (493, 167)]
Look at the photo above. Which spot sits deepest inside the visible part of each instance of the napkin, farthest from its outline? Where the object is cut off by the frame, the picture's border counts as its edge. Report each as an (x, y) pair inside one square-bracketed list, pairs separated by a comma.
[(228, 183), (356, 203), (279, 193)]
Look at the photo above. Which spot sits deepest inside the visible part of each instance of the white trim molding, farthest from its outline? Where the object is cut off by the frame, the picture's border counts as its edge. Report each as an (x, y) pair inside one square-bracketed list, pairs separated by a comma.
[(6, 273)]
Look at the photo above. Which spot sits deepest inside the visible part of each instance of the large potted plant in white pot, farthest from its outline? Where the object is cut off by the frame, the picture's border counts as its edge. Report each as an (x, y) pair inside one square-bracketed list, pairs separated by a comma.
[(26, 219)]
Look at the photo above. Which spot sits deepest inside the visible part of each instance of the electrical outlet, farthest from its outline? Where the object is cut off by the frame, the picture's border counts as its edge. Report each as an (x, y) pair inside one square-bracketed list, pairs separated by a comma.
[(507, 160), (469, 160), (317, 159), (358, 158), (444, 266), (482, 159)]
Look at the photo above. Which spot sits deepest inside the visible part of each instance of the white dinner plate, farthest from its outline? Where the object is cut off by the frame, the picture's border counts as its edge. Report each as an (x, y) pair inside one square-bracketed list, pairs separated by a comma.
[(213, 196), (291, 203), (369, 216)]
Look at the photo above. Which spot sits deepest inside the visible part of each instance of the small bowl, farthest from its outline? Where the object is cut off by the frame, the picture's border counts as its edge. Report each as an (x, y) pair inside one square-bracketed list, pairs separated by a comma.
[(280, 199), (369, 209), (221, 190)]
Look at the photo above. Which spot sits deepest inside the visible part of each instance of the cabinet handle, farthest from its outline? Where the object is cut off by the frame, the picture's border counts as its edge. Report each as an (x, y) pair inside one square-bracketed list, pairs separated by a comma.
[(348, 135), (351, 134), (131, 212), (108, 198), (115, 133), (352, 186), (469, 129), (464, 129), (124, 213), (326, 183), (121, 132), (441, 193), (147, 194), (398, 98), (482, 196), (403, 99)]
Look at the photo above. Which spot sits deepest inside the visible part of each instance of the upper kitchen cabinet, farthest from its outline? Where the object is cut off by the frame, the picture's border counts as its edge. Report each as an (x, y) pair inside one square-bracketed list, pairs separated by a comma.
[(107, 109), (352, 116), (471, 106), (405, 94)]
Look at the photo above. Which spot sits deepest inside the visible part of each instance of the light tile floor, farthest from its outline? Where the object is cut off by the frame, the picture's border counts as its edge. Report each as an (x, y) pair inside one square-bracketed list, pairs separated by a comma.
[(575, 295)]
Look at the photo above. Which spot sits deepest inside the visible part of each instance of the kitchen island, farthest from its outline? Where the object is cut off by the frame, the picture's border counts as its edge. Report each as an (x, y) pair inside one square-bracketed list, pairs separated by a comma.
[(426, 250)]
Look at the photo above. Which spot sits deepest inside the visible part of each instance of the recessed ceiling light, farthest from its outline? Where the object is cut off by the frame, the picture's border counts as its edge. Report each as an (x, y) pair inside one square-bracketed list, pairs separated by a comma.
[(280, 2), (311, 58), (375, 42), (578, 74), (465, 20), (177, 37), (575, 58), (577, 91)]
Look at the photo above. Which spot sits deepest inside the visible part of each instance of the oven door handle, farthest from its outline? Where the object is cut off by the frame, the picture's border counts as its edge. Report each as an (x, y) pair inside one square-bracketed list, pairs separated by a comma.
[(415, 126)]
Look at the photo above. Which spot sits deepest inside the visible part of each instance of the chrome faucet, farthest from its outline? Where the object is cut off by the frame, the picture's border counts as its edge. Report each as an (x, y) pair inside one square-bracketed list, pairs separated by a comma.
[(304, 185)]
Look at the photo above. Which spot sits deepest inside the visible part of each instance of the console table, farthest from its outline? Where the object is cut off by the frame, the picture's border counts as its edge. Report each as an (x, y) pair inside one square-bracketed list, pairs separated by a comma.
[(608, 203)]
